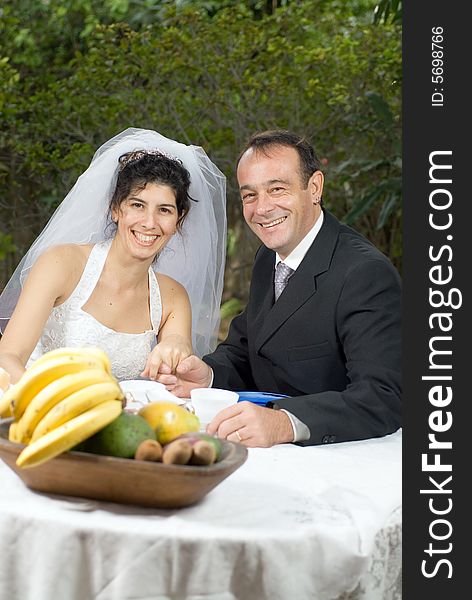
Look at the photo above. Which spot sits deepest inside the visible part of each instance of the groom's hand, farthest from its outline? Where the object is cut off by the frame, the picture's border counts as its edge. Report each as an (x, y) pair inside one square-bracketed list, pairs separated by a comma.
[(191, 373)]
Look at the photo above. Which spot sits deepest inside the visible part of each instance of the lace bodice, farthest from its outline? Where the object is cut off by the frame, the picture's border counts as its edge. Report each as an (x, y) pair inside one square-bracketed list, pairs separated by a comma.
[(69, 325)]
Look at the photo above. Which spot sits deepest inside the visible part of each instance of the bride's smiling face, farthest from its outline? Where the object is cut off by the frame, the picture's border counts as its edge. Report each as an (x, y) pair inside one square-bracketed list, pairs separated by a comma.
[(147, 219)]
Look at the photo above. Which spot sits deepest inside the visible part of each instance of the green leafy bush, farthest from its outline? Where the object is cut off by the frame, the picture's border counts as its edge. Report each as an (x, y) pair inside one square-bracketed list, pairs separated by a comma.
[(207, 74)]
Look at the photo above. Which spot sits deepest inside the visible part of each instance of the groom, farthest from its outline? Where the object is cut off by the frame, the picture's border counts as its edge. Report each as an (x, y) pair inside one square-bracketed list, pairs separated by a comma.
[(322, 324)]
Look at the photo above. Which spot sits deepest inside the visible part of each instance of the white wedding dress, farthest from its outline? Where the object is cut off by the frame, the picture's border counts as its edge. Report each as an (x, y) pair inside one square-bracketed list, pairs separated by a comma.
[(69, 325)]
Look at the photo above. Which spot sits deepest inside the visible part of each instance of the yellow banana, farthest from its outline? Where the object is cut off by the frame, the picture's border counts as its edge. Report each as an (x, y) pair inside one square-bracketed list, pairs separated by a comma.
[(12, 436), (69, 434), (39, 376), (79, 351), (53, 393), (75, 404), (5, 410)]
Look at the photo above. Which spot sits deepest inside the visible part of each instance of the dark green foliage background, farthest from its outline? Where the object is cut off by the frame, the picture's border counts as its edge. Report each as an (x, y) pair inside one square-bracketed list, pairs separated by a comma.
[(73, 73)]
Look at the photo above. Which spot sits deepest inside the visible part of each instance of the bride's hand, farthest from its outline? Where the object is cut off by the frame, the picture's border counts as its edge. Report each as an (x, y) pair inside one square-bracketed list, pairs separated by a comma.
[(172, 350)]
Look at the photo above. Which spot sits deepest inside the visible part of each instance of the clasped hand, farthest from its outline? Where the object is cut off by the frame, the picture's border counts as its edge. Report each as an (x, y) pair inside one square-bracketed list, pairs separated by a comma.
[(170, 351)]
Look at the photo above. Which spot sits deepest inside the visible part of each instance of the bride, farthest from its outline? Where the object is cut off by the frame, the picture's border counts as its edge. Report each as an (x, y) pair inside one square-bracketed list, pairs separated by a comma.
[(132, 261)]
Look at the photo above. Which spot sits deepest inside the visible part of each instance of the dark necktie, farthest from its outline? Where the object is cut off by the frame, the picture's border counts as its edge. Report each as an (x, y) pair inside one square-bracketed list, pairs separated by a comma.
[(282, 275)]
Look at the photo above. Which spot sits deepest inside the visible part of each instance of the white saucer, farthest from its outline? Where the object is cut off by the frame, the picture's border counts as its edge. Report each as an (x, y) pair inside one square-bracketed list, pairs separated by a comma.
[(139, 392)]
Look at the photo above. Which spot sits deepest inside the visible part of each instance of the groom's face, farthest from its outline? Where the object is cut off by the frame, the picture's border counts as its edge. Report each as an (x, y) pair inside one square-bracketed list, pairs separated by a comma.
[(277, 205)]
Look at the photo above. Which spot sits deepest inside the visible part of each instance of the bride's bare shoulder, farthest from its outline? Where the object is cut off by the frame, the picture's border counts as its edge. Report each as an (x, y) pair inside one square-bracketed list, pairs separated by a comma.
[(64, 262), (172, 292), (168, 284), (63, 266), (70, 255)]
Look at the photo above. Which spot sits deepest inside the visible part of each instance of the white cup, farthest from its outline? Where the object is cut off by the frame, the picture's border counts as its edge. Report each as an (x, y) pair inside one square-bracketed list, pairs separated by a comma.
[(208, 402)]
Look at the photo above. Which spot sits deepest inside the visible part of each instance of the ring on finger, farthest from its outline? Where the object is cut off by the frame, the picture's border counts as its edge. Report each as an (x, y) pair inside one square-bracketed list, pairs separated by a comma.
[(240, 439)]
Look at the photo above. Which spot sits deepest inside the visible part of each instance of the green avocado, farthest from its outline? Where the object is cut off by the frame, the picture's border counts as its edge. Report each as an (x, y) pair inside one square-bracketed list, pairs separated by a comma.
[(121, 437)]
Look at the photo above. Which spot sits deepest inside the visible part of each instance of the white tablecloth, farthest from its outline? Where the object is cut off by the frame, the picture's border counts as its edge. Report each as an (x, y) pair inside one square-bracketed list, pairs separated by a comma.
[(292, 523)]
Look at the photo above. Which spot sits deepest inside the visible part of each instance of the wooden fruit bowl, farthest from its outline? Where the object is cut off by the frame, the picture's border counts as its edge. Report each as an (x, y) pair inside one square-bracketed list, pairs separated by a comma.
[(123, 480)]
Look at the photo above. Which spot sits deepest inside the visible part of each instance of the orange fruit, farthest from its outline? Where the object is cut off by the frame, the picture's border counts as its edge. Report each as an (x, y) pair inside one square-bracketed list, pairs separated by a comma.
[(169, 420)]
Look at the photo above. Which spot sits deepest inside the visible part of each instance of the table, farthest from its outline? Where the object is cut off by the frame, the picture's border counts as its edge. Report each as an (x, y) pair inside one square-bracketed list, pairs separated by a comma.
[(315, 523)]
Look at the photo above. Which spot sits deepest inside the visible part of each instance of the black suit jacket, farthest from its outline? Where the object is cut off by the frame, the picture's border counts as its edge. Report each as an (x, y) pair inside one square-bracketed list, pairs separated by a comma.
[(332, 340)]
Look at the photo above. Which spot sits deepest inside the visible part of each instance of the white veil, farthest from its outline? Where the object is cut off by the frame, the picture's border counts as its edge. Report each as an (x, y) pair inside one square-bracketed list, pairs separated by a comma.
[(195, 257)]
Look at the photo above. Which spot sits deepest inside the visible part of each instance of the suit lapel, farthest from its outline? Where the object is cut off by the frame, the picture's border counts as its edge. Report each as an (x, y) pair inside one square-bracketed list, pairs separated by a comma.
[(263, 289), (302, 284)]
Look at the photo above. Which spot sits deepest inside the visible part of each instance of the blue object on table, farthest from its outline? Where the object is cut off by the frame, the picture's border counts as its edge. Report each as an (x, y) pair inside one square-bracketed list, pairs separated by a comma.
[(260, 398)]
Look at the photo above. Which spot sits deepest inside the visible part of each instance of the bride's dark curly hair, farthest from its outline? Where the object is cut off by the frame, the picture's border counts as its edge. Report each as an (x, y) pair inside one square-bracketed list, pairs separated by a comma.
[(138, 168)]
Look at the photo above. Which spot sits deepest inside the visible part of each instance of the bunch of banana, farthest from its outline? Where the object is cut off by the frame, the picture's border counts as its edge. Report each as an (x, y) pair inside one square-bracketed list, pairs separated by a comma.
[(65, 397)]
